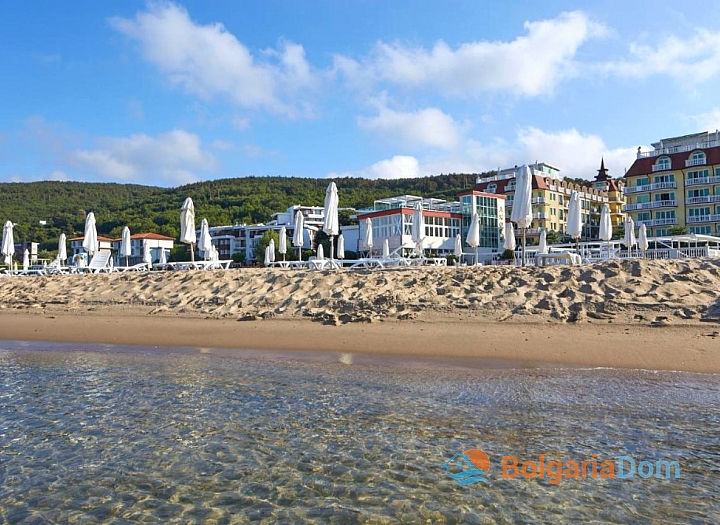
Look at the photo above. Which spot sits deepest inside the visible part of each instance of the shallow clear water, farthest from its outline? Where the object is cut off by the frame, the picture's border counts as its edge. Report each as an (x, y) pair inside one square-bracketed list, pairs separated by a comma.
[(108, 434)]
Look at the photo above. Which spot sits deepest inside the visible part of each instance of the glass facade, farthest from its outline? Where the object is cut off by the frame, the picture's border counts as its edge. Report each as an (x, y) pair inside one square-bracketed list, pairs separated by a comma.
[(487, 210)]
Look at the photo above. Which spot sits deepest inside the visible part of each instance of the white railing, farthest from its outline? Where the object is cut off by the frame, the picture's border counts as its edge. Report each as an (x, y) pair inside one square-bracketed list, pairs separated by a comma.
[(702, 180), (540, 216), (704, 218), (695, 162), (660, 167), (703, 199), (678, 149), (656, 222), (670, 185), (538, 200), (650, 205)]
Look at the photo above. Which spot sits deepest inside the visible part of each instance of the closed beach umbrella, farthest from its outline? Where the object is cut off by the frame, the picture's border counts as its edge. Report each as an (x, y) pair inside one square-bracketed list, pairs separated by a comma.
[(187, 226), (267, 255), (368, 239), (8, 243), (272, 250), (341, 247), (62, 248), (473, 236), (90, 240), (418, 227), (542, 245), (282, 248), (386, 248), (125, 244), (205, 241), (522, 203), (299, 233), (26, 259), (509, 243), (606, 226), (163, 256), (331, 222), (574, 222), (629, 239), (320, 252), (458, 248), (643, 243), (147, 256), (214, 255)]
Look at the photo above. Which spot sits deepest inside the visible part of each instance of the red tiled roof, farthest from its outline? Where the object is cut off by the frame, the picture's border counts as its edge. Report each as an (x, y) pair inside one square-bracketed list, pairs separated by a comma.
[(152, 236), (677, 161), (100, 238)]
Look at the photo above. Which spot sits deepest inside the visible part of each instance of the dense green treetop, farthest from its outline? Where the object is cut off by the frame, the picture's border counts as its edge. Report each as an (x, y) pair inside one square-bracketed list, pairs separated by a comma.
[(64, 205)]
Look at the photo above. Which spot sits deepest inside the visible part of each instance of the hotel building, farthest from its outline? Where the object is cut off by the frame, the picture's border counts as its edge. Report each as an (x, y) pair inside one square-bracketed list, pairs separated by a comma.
[(676, 184), (551, 198), (392, 220)]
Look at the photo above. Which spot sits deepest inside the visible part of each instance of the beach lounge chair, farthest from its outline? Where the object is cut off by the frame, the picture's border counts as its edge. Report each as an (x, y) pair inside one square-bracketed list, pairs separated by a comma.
[(100, 262), (140, 267)]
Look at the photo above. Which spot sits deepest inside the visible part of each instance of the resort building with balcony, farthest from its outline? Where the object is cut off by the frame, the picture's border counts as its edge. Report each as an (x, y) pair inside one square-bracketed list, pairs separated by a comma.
[(243, 238), (392, 220), (551, 198), (676, 184)]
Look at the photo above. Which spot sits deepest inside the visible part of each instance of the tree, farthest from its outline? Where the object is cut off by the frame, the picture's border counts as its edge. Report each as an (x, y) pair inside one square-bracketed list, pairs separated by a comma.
[(553, 237), (264, 242), (678, 230)]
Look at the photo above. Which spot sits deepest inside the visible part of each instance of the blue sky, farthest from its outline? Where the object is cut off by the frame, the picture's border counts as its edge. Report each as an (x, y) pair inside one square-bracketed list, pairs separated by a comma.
[(166, 93)]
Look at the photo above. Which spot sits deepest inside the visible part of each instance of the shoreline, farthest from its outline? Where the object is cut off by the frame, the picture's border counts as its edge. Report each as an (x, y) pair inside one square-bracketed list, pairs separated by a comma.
[(685, 347)]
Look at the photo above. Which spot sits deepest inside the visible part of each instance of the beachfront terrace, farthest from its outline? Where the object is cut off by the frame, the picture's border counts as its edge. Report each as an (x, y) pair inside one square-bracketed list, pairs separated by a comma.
[(409, 202)]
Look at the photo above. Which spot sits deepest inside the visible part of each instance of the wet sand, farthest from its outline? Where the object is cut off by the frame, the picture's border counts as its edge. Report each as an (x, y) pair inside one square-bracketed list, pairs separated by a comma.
[(691, 347)]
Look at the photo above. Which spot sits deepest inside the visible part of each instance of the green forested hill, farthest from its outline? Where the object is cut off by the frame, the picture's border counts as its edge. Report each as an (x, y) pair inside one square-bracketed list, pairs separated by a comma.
[(64, 205)]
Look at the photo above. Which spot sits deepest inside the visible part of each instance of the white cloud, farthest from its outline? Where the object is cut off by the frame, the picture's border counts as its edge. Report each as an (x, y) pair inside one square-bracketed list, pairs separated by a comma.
[(426, 127), (696, 58), (398, 167), (208, 61), (56, 175), (170, 157), (709, 121), (530, 65)]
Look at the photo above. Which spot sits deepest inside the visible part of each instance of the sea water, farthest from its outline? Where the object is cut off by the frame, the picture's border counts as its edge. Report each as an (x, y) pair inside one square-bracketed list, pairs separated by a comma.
[(101, 434)]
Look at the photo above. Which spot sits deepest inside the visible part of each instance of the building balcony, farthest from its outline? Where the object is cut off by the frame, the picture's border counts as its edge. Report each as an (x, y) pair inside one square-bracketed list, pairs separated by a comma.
[(695, 162), (538, 200), (705, 199), (540, 216), (703, 218), (650, 205), (650, 187), (660, 167), (678, 149), (702, 180), (657, 222)]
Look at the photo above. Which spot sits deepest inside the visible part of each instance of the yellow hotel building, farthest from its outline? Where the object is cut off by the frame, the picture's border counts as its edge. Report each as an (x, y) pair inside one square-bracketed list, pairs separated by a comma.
[(551, 197), (676, 184)]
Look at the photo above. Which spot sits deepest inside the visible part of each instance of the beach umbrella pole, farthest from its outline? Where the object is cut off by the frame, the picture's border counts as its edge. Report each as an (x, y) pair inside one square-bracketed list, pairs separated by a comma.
[(476, 255), (332, 241), (523, 249), (126, 261), (192, 252)]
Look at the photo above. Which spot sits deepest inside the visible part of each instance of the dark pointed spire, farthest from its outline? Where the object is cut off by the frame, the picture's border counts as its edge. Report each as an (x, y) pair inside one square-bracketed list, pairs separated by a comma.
[(602, 172)]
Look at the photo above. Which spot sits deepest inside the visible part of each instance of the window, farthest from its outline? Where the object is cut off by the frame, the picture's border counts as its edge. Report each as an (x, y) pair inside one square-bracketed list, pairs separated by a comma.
[(670, 196), (699, 212), (642, 198), (663, 163), (717, 172), (667, 214), (643, 216), (701, 230), (697, 174), (701, 192), (662, 232), (642, 181), (697, 158), (670, 177), (492, 187)]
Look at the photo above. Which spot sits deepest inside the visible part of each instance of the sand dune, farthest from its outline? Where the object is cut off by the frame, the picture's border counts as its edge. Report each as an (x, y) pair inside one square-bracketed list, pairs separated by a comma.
[(636, 291)]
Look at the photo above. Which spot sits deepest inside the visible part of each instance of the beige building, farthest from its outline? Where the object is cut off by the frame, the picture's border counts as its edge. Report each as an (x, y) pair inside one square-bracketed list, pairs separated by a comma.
[(677, 184), (551, 198)]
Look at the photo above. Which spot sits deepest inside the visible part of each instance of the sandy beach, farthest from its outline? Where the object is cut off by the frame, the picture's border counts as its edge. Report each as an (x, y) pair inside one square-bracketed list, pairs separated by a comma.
[(661, 315)]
